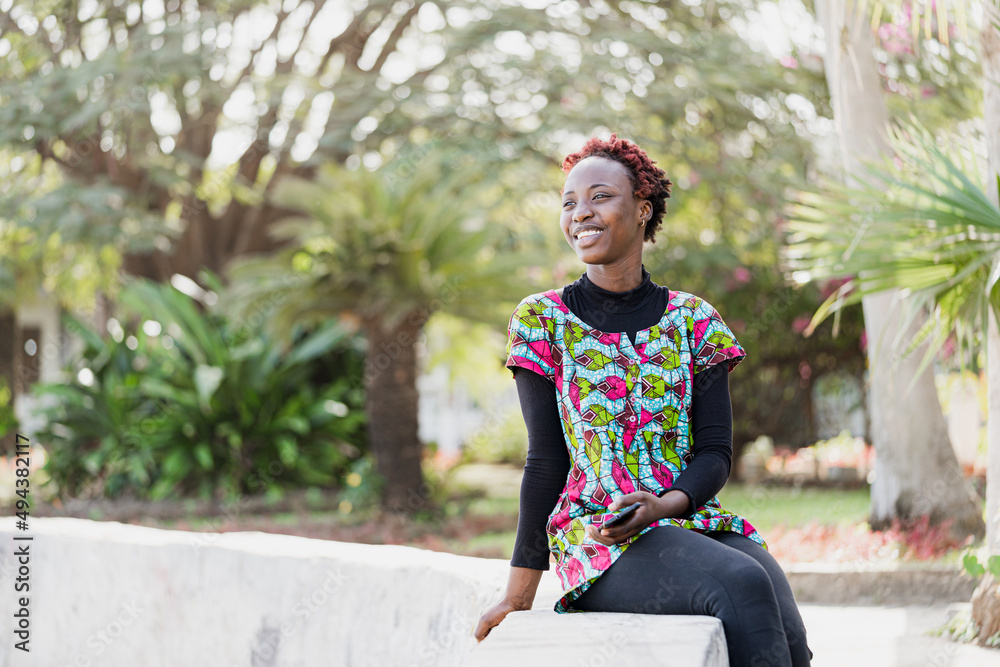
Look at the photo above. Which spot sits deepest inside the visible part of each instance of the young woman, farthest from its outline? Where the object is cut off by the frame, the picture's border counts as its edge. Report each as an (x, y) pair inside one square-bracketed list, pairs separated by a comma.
[(623, 385)]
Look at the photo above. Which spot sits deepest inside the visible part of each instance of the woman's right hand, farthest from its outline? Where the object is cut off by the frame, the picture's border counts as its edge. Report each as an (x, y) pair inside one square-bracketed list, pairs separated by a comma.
[(492, 617)]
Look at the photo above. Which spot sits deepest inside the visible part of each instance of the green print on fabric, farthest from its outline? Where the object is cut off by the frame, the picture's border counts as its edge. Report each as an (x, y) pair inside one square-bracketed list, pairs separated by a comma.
[(623, 402), (632, 460), (653, 386), (720, 339), (593, 449), (597, 415)]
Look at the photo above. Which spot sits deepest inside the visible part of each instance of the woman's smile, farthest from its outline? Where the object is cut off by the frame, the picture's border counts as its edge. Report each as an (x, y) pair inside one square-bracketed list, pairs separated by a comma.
[(588, 237)]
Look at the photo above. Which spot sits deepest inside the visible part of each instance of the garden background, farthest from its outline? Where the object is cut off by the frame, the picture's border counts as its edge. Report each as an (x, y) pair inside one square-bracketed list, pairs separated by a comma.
[(257, 258)]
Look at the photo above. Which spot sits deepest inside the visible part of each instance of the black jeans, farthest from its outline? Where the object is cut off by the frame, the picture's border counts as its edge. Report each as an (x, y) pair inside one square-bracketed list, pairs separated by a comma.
[(672, 570)]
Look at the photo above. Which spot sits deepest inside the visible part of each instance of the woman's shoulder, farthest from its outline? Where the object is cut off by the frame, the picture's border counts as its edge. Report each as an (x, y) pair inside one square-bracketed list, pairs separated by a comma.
[(551, 298), (680, 300), (545, 304)]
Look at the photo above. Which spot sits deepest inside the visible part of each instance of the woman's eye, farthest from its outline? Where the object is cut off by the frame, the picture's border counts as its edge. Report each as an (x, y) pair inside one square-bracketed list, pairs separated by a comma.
[(599, 194), (566, 203)]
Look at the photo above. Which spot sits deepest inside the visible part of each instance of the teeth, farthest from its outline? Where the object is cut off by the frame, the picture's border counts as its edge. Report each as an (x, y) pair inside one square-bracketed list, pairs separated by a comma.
[(586, 233)]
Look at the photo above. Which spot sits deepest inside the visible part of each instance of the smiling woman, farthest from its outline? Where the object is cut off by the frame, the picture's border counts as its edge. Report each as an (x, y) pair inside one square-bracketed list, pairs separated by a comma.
[(624, 389)]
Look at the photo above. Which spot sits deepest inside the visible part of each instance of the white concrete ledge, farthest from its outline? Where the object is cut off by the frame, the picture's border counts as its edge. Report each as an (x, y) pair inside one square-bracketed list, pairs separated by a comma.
[(112, 594), (536, 637)]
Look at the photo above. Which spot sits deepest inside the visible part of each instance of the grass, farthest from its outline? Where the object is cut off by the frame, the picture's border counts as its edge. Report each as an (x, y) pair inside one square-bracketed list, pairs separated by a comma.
[(770, 507)]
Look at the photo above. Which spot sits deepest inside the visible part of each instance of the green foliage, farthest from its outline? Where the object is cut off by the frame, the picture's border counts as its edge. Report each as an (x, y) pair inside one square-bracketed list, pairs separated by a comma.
[(362, 485), (384, 245), (8, 422), (204, 406), (502, 439), (975, 569), (921, 223)]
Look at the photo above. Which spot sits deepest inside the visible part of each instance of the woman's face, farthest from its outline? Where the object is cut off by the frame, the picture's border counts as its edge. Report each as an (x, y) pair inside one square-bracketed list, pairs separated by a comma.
[(601, 215)]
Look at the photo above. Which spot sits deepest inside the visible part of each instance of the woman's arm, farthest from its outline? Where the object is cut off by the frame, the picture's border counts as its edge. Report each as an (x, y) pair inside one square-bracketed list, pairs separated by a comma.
[(711, 431), (545, 470)]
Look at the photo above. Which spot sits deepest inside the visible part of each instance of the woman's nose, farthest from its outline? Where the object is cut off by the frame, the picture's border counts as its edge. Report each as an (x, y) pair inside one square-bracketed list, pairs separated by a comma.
[(581, 213)]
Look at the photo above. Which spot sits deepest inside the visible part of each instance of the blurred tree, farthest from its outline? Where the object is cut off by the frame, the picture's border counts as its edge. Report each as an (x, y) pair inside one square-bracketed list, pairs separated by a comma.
[(921, 224), (384, 250), (986, 600), (172, 123), (163, 128), (936, 238), (170, 126), (916, 468)]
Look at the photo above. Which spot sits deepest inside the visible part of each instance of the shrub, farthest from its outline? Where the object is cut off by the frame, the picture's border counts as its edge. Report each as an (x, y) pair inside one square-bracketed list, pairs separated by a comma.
[(186, 403)]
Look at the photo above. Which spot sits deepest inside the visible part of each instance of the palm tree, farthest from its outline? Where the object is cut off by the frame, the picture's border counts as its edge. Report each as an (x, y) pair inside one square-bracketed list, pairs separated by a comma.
[(383, 251), (916, 469), (921, 224)]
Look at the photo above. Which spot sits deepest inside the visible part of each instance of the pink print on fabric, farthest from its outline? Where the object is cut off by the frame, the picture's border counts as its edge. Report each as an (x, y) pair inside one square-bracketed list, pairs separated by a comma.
[(618, 387), (599, 555), (622, 478), (700, 327), (543, 350), (663, 475), (612, 339)]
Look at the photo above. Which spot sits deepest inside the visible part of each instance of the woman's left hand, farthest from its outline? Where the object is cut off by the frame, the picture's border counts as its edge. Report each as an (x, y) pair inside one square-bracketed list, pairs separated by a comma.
[(649, 512), (653, 508)]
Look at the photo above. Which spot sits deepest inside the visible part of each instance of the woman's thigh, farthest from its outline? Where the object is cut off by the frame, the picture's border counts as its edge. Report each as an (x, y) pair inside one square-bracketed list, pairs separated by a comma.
[(672, 570), (790, 617)]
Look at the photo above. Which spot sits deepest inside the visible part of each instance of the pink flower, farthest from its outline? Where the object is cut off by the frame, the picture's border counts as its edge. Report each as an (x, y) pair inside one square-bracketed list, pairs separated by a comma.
[(741, 274), (789, 62)]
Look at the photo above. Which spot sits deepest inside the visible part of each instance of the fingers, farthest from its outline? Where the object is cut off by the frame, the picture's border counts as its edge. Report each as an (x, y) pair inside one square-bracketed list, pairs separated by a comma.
[(624, 501), (613, 535), (482, 630)]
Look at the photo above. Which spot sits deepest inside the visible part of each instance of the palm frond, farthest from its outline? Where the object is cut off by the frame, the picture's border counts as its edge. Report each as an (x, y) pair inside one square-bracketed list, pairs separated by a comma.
[(381, 245), (917, 222)]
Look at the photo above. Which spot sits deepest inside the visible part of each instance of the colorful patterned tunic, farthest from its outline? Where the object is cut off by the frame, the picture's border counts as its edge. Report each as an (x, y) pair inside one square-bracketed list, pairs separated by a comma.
[(625, 412)]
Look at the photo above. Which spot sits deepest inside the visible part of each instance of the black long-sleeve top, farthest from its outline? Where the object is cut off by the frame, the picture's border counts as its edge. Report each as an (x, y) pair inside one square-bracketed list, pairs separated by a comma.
[(548, 463)]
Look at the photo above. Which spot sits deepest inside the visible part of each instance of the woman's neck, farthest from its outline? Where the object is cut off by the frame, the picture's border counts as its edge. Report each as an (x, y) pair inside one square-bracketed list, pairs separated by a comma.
[(595, 299), (620, 278)]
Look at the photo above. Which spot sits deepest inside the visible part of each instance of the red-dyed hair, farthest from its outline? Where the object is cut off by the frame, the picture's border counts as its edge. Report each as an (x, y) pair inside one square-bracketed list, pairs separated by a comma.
[(648, 181)]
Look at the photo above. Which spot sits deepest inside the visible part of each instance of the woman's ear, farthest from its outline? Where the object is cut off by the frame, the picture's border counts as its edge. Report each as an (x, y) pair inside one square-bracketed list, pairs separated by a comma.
[(645, 211)]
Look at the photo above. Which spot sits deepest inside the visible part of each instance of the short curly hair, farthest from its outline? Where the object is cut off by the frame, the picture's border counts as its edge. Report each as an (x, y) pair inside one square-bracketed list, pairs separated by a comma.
[(648, 181)]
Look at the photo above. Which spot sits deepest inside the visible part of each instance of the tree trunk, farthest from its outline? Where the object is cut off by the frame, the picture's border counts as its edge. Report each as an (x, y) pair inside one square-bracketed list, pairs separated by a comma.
[(986, 599), (392, 402), (916, 470)]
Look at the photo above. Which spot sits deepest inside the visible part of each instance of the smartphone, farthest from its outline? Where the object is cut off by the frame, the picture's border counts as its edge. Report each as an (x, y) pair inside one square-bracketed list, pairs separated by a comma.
[(622, 516)]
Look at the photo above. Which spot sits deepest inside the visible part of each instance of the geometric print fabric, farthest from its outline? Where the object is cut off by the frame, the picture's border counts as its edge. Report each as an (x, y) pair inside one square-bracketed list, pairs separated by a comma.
[(625, 412)]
